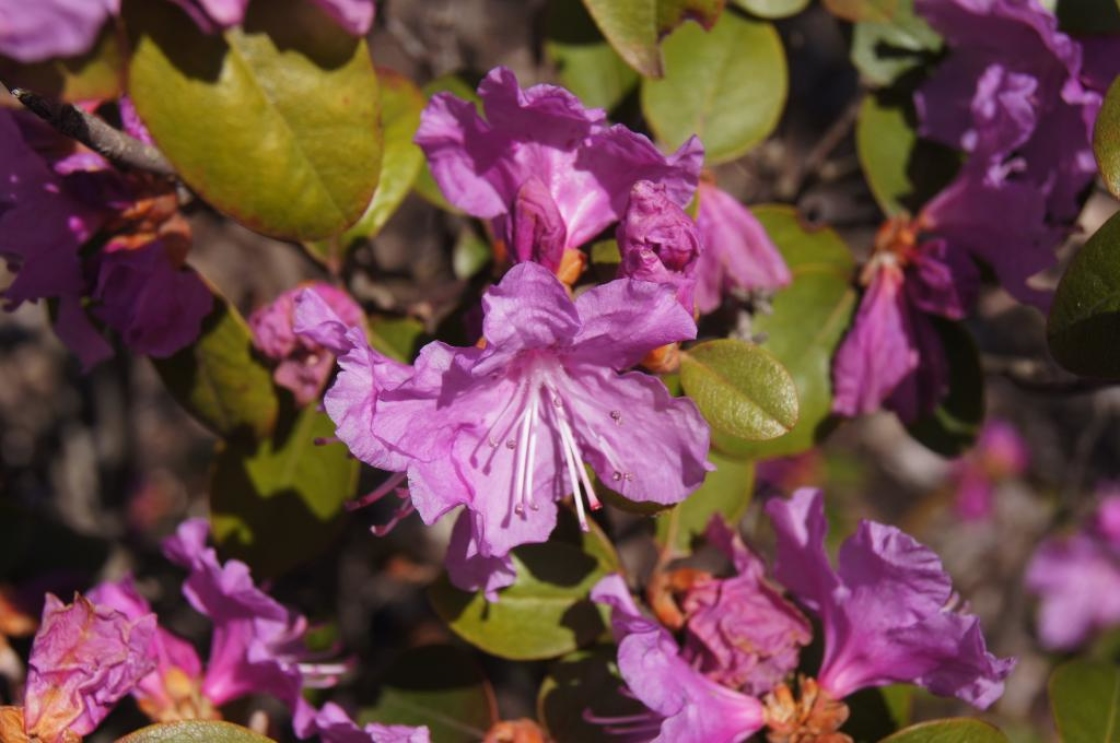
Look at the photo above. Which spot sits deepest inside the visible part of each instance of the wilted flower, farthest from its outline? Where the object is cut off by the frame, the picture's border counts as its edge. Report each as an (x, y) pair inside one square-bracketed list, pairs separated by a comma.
[(1077, 579), (888, 611), (999, 453), (504, 430), (1010, 94), (54, 199), (659, 242), (84, 659), (303, 364), (685, 705), (893, 355), (737, 254), (34, 32), (548, 173)]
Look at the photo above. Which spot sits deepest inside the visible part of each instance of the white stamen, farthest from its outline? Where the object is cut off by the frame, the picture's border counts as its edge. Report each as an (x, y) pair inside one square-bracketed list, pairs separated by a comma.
[(531, 454), (521, 460), (572, 454)]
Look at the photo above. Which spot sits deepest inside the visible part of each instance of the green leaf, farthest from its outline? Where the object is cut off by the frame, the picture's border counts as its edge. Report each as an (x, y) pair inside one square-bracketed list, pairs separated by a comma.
[(275, 122), (401, 163), (726, 491), (952, 427), (425, 185), (1084, 325), (277, 503), (1085, 700), (631, 28), (727, 86), (902, 170), (470, 254), (807, 323), (93, 76), (956, 730), (194, 731), (396, 337), (742, 390), (546, 612), (772, 8), (1106, 139), (455, 701), (585, 63), (884, 50), (219, 380), (586, 680)]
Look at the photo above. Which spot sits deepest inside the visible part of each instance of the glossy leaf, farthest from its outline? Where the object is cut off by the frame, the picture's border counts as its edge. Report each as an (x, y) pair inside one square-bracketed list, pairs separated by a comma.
[(275, 122), (882, 50), (425, 185), (93, 76), (585, 681), (440, 686), (807, 323), (401, 162), (1084, 325), (726, 491), (546, 613), (1106, 139), (902, 170), (219, 380), (772, 8), (194, 731), (953, 426), (631, 28), (957, 730), (728, 86), (277, 503), (742, 390), (1085, 700), (585, 63)]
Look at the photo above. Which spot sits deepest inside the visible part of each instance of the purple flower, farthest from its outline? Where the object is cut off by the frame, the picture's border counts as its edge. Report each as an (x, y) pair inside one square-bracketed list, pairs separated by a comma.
[(548, 173), (893, 355), (686, 706), (887, 610), (1000, 453), (658, 242), (334, 726), (173, 690), (1010, 94), (1077, 580), (741, 632), (34, 32), (83, 660), (257, 644), (504, 430), (304, 364), (356, 16), (737, 255), (54, 199)]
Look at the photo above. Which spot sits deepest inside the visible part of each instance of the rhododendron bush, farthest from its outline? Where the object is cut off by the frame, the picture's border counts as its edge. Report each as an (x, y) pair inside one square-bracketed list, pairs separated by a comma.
[(692, 371)]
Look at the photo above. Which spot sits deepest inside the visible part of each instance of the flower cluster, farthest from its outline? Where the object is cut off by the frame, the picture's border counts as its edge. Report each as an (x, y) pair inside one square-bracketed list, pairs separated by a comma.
[(887, 614)]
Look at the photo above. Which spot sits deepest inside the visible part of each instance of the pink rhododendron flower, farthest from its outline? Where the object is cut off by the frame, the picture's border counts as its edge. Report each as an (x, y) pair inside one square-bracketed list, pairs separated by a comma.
[(304, 365), (1011, 95), (999, 453), (356, 16), (37, 31), (888, 611), (84, 659), (685, 705), (334, 726), (740, 631), (892, 354), (658, 242), (737, 255), (548, 173), (54, 199), (504, 430), (1077, 579)]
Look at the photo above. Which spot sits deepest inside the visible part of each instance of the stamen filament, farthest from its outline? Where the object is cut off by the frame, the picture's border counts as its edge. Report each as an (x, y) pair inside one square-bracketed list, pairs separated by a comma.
[(571, 453), (531, 454), (380, 492), (521, 461)]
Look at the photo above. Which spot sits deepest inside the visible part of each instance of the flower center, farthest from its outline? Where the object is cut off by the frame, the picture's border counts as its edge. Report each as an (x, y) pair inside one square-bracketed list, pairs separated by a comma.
[(816, 716)]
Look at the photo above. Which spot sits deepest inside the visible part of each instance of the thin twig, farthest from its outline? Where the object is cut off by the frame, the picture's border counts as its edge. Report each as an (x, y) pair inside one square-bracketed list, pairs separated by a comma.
[(112, 144)]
